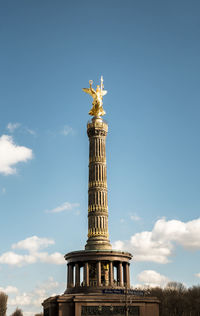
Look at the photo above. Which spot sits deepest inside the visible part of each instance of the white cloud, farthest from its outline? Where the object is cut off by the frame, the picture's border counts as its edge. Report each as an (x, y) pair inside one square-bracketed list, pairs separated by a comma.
[(186, 234), (13, 126), (11, 154), (15, 259), (144, 248), (67, 130), (134, 217), (31, 301), (152, 278), (63, 207), (32, 245), (197, 275), (54, 258), (9, 289), (30, 131), (158, 245), (21, 300)]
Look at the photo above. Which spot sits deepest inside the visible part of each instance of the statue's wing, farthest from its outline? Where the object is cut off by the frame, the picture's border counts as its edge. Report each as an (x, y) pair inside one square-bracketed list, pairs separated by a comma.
[(104, 92), (89, 91)]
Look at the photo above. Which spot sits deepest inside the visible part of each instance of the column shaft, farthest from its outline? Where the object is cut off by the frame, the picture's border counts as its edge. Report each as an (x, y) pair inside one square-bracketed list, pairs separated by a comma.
[(120, 274), (111, 273), (128, 275), (86, 274), (77, 280), (71, 276), (68, 276), (99, 273)]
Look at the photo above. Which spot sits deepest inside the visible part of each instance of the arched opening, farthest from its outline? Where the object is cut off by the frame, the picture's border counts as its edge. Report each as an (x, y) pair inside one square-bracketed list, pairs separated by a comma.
[(92, 274)]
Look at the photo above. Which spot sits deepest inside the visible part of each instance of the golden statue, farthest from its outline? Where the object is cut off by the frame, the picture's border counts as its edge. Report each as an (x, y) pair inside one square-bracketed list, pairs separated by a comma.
[(97, 104)]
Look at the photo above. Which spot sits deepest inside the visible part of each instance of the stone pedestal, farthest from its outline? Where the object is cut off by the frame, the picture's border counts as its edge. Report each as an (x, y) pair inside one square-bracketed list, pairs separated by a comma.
[(101, 305)]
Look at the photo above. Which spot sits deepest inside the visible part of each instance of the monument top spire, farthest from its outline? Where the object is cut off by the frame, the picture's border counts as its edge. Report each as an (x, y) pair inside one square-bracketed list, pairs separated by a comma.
[(97, 104)]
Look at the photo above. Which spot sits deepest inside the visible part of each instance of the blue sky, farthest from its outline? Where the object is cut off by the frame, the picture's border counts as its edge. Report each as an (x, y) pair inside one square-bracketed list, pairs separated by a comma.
[(148, 53)]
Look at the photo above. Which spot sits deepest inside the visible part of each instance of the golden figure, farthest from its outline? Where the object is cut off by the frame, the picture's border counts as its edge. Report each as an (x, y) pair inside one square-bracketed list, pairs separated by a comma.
[(97, 104)]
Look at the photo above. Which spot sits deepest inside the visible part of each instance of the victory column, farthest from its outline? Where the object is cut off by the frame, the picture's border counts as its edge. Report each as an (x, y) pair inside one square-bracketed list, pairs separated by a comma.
[(98, 277)]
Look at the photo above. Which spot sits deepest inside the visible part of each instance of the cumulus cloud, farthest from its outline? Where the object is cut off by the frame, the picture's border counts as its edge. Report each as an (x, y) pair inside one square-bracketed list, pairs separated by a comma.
[(11, 154), (9, 289), (31, 301), (152, 278), (63, 207), (54, 258), (33, 245), (21, 300), (15, 259), (13, 126), (186, 234), (158, 245), (197, 275)]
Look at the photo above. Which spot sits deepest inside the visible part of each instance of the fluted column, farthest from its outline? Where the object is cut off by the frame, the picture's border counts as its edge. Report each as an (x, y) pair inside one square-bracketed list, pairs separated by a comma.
[(97, 191)]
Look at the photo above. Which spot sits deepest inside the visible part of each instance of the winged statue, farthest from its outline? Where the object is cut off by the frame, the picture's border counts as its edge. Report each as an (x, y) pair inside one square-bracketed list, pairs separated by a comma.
[(97, 104)]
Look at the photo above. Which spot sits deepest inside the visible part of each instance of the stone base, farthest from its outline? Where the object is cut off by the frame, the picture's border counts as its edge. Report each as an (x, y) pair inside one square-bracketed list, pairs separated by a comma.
[(101, 305), (98, 243)]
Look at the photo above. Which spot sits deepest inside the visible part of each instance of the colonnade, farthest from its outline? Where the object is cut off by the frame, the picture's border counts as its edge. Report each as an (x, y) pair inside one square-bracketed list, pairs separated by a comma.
[(121, 278)]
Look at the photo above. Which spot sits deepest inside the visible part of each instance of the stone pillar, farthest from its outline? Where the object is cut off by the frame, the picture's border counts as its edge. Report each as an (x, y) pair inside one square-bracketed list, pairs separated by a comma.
[(124, 273), (128, 275), (120, 274), (77, 275), (99, 273), (97, 187), (71, 275), (111, 273), (86, 274), (68, 276)]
